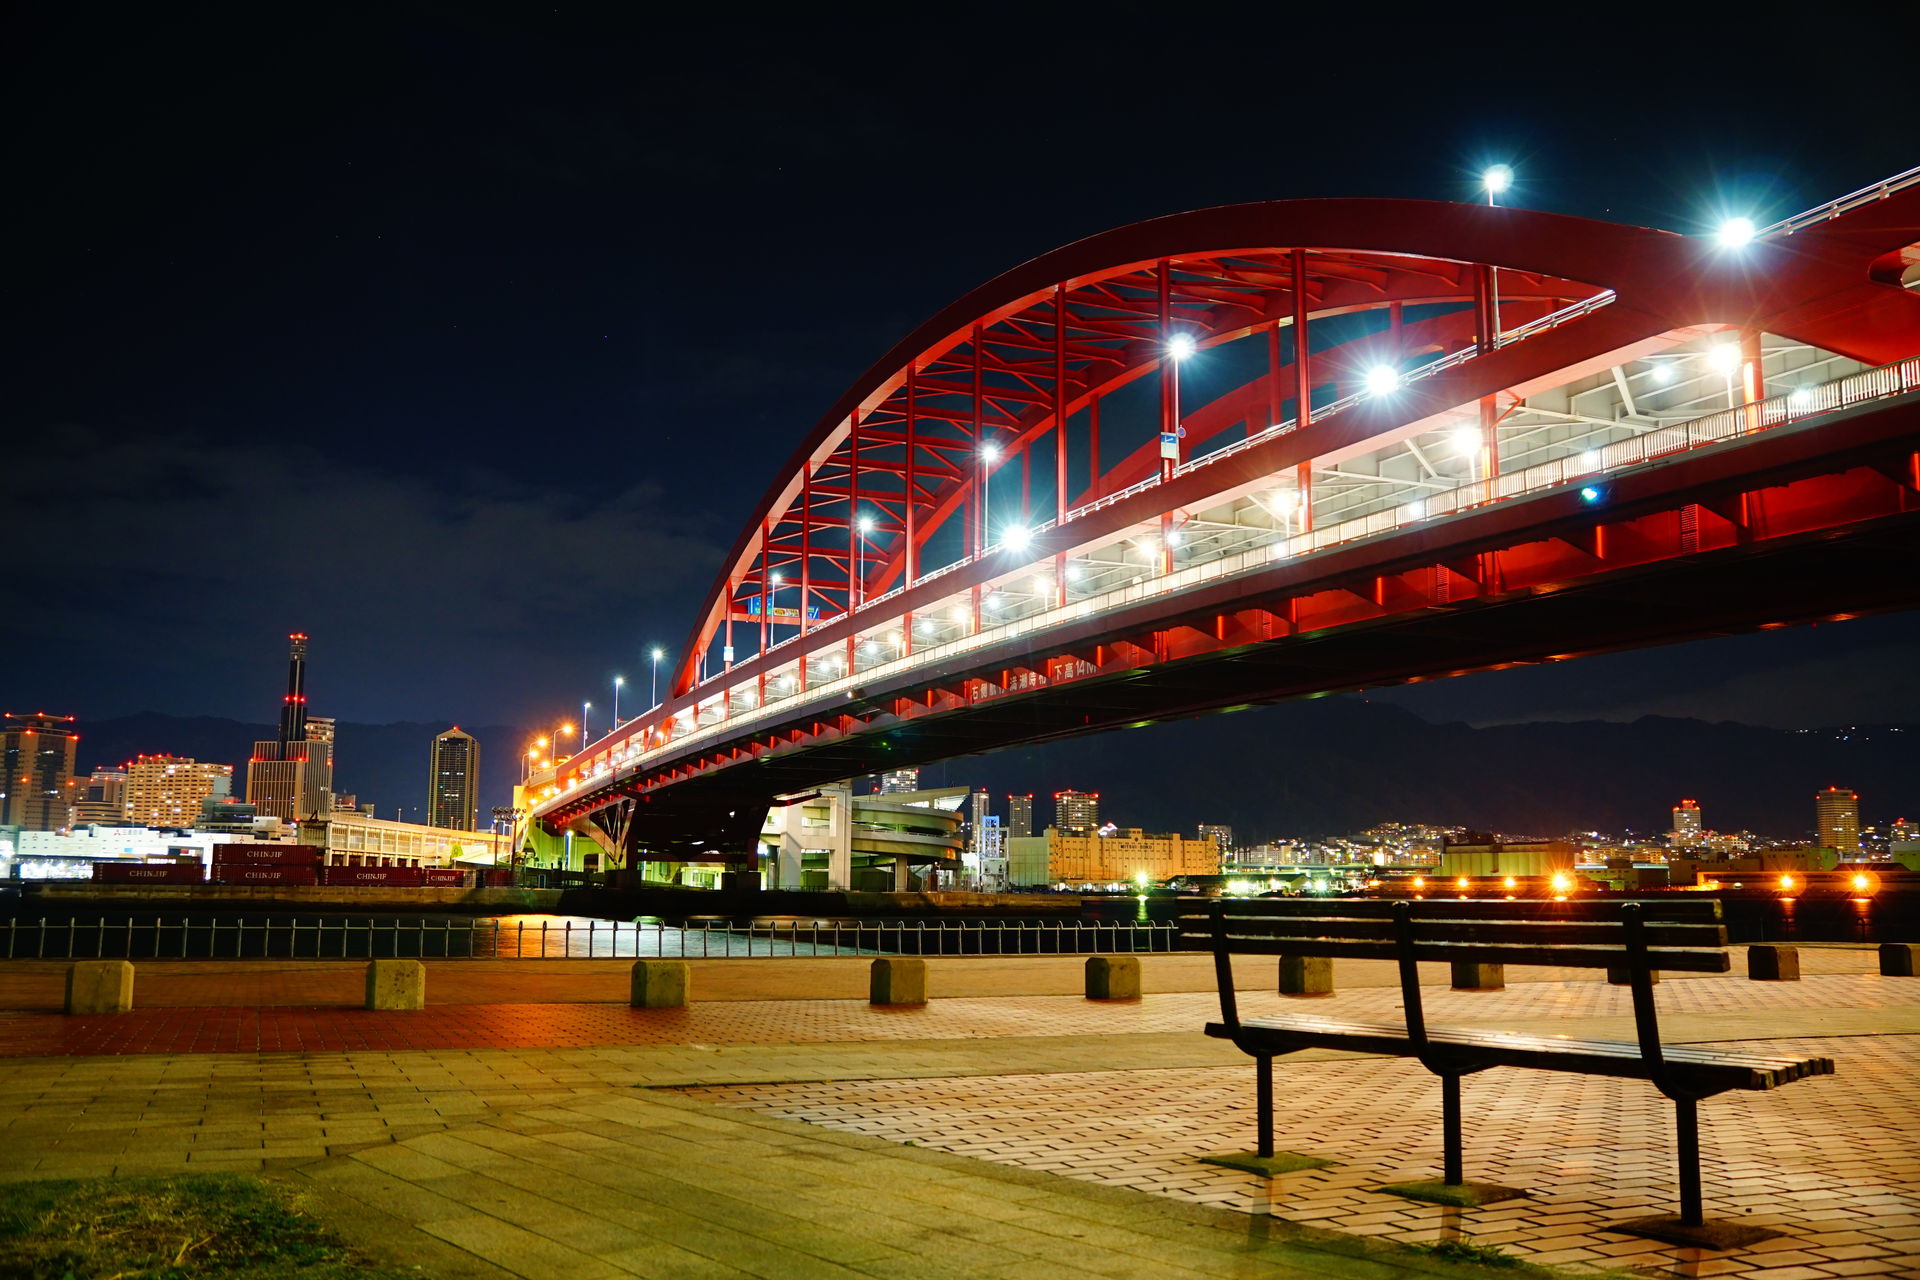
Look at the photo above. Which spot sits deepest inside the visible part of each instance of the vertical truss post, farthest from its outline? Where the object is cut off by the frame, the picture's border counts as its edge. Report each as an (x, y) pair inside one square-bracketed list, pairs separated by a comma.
[(1273, 378), (766, 594), (1169, 407), (806, 545), (978, 525), (1059, 402), (856, 570), (911, 553), (1753, 376), (1486, 325), (1093, 446), (1302, 387)]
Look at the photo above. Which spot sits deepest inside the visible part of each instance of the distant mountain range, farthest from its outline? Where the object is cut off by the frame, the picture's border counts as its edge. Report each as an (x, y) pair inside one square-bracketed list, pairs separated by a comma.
[(1320, 767)]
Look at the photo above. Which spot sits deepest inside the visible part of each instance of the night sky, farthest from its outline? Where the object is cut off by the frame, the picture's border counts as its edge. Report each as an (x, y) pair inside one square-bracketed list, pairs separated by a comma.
[(464, 338)]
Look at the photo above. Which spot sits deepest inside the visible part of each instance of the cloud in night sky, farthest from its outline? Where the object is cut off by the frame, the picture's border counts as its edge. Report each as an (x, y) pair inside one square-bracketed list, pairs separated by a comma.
[(445, 595)]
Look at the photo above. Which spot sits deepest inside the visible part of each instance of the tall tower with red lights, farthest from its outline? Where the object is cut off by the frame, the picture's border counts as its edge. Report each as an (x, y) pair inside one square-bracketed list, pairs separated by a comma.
[(291, 776)]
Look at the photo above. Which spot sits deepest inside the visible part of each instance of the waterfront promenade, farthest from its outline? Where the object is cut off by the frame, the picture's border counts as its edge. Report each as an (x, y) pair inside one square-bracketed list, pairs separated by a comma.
[(528, 1122)]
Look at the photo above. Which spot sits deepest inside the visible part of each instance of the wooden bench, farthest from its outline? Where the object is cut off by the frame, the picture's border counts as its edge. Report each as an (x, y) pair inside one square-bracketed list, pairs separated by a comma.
[(1644, 938)]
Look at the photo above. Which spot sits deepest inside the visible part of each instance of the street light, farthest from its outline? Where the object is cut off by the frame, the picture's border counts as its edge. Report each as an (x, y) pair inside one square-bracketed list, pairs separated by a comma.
[(653, 685), (1181, 345), (584, 708), (1383, 379), (1496, 180), (1735, 233), (617, 682), (862, 527)]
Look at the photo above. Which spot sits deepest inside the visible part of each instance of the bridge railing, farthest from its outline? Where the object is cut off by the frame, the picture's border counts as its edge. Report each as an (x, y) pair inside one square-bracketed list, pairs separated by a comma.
[(1834, 208), (1898, 378)]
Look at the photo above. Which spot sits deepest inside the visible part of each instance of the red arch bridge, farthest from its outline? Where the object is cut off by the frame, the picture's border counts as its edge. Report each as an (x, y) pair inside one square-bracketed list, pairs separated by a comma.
[(1265, 451)]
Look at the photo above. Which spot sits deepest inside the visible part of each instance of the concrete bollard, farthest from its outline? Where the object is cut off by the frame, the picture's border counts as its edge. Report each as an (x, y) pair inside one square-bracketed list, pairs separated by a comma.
[(1899, 959), (660, 984), (1113, 977), (1468, 976), (1621, 976), (99, 986), (1770, 962), (396, 984), (897, 980), (1306, 975)]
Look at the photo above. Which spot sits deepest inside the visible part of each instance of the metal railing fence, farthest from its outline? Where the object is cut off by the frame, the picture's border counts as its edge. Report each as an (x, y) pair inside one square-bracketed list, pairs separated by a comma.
[(323, 939)]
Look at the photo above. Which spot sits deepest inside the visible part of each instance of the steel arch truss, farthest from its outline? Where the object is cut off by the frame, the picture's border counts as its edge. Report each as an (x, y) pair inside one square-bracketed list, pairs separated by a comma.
[(972, 455)]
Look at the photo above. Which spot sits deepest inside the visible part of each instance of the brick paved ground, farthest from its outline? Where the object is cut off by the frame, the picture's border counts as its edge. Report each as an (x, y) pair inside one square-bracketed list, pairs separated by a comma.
[(1830, 1162), (521, 1145)]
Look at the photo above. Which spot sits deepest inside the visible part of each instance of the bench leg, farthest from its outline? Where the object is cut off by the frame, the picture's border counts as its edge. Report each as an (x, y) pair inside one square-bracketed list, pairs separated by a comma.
[(1686, 1123), (1450, 1130), (1263, 1104)]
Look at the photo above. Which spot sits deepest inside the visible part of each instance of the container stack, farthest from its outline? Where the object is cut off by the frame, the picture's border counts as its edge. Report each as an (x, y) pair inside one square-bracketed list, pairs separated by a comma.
[(266, 863)]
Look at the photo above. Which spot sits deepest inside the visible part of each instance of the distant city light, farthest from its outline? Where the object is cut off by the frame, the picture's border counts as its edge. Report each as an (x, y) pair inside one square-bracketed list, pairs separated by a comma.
[(1181, 345), (1383, 379), (1735, 233), (1497, 179)]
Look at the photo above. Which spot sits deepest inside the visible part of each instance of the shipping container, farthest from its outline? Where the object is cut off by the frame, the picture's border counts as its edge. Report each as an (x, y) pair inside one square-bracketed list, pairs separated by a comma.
[(149, 873), (499, 877), (391, 877), (444, 876), (260, 873), (286, 855)]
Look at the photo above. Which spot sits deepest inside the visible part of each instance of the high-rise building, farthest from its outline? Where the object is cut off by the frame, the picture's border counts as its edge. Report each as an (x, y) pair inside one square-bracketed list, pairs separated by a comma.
[(320, 729), (979, 807), (1686, 824), (453, 796), (101, 801), (167, 791), (37, 786), (291, 778), (1837, 819), (1077, 812), (1220, 834), (1019, 815), (896, 781)]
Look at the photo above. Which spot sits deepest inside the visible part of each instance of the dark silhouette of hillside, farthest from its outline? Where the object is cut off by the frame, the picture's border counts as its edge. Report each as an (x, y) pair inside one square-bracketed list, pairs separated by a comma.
[(1318, 767)]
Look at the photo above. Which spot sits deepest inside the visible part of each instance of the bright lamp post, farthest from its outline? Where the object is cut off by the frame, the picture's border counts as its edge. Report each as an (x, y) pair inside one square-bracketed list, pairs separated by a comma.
[(617, 682), (653, 686), (584, 708), (989, 454), (1496, 180), (861, 528)]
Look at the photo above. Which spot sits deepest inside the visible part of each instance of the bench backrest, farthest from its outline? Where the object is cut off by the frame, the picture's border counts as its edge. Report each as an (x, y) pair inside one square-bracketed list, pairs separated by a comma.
[(1640, 936)]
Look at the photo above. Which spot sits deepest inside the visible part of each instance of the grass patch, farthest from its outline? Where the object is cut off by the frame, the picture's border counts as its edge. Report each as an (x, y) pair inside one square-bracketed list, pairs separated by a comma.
[(1485, 1255), (172, 1228)]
